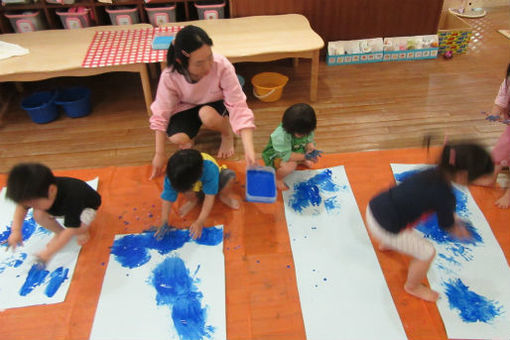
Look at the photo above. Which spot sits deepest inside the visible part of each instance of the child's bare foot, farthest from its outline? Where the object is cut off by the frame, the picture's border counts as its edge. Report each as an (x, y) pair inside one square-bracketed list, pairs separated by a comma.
[(280, 185), (504, 201), (423, 292), (186, 207), (308, 163), (227, 145), (82, 238), (230, 202)]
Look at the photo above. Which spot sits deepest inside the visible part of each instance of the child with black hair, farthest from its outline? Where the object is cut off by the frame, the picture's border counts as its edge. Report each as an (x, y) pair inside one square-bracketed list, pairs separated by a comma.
[(195, 174), (291, 141), (390, 213), (501, 151), (33, 185), (198, 88)]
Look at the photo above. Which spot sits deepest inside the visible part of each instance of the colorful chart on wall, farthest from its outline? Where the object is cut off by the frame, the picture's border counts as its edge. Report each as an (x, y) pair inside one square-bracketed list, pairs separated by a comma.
[(168, 289), (341, 285), (472, 277), (23, 282)]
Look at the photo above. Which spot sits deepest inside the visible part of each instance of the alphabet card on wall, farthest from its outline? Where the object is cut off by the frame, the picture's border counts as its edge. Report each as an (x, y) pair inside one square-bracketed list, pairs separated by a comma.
[(340, 282), (173, 288), (24, 283), (472, 277)]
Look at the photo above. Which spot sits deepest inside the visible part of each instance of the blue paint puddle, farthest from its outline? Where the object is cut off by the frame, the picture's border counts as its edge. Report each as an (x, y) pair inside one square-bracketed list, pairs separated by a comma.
[(176, 289), (132, 251), (35, 278), (57, 277), (308, 193), (472, 307)]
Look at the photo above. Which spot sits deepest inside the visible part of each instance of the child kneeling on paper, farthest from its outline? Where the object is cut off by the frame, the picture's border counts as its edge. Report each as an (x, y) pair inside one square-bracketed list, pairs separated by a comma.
[(390, 213), (33, 185), (292, 142), (195, 174)]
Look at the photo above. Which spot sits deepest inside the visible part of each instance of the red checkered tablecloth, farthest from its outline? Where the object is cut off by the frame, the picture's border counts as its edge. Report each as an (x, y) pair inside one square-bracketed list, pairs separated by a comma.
[(110, 48)]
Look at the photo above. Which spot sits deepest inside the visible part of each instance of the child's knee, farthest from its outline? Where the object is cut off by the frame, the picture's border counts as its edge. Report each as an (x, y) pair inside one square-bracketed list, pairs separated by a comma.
[(179, 138), (428, 252)]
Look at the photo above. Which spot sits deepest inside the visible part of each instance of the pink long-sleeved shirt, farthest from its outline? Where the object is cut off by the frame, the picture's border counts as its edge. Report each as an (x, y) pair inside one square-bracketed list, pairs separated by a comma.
[(503, 97), (176, 94)]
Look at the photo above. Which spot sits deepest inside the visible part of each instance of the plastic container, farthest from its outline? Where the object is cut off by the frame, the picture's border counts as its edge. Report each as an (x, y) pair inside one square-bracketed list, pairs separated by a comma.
[(261, 185), (26, 21), (160, 14), (210, 9), (268, 86), (454, 34), (61, 2), (41, 106), (76, 17), (123, 15), (75, 101)]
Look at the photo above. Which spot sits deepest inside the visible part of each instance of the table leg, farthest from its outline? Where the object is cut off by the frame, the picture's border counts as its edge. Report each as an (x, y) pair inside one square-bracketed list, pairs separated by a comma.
[(314, 76), (146, 85)]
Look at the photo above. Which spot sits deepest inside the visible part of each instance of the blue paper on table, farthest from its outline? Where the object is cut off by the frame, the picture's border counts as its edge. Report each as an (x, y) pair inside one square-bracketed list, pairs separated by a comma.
[(162, 42), (261, 185)]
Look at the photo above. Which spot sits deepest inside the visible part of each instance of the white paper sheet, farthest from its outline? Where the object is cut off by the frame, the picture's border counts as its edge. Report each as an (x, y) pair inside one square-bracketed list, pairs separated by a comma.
[(342, 290), (473, 278), (22, 283), (171, 289)]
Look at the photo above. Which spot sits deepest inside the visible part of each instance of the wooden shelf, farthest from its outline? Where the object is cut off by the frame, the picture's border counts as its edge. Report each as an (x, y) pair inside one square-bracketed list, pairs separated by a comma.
[(185, 11)]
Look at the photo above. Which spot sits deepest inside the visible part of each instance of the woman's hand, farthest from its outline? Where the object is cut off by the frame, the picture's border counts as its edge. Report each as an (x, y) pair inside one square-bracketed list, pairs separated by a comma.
[(158, 165)]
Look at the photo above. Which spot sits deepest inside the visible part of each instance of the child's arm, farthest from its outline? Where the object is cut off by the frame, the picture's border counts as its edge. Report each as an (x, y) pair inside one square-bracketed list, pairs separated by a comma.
[(297, 157), (158, 162), (500, 111), (59, 241), (166, 206), (196, 227), (16, 236)]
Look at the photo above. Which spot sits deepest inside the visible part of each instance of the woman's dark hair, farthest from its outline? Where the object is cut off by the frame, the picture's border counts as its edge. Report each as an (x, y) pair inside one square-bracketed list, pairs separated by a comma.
[(299, 119), (463, 156), (187, 40), (28, 181), (184, 169)]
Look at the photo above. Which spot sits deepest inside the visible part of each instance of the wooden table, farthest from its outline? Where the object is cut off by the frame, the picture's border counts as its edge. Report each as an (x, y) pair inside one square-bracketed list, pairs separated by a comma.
[(60, 53), (266, 38)]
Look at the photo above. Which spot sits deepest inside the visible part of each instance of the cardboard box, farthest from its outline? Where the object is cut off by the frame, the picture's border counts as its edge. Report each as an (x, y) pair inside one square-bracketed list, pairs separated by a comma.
[(411, 48), (355, 51), (454, 33)]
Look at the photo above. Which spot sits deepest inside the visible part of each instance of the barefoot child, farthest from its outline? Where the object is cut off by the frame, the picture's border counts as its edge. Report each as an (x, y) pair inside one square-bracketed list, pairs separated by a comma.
[(291, 141), (193, 173), (33, 185), (391, 212)]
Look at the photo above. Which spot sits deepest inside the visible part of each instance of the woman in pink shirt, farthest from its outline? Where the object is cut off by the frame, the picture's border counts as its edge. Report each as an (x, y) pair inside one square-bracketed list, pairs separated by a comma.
[(501, 152), (199, 88)]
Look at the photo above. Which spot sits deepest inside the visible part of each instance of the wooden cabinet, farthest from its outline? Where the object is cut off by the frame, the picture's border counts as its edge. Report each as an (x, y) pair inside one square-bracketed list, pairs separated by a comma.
[(352, 19), (185, 11)]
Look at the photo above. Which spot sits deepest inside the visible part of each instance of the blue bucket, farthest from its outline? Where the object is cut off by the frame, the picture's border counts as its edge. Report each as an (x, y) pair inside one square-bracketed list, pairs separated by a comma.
[(75, 101), (41, 107)]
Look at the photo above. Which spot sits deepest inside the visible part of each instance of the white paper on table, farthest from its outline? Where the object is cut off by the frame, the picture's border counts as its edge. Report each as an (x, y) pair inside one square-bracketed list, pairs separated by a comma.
[(341, 286), (473, 278), (16, 288), (128, 307)]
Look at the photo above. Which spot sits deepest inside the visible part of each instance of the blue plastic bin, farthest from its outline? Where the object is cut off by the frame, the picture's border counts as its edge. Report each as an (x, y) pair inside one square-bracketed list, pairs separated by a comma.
[(75, 101), (41, 107), (261, 185)]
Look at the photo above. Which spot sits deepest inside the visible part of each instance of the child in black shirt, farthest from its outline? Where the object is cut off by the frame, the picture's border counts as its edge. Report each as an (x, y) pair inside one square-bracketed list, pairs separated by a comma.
[(391, 212), (32, 185)]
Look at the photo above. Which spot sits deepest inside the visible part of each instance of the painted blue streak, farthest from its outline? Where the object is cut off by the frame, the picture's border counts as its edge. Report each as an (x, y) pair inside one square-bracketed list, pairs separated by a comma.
[(130, 250), (461, 199), (472, 307), (307, 193), (28, 228), (35, 277), (331, 204), (57, 277), (176, 289), (14, 261), (210, 236), (399, 177)]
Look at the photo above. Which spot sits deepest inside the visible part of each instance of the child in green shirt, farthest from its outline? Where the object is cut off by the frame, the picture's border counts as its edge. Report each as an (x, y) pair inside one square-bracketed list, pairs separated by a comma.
[(291, 141)]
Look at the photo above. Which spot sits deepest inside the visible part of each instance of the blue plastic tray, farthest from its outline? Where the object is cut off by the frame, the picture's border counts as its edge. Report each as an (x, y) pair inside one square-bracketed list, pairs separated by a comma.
[(261, 185)]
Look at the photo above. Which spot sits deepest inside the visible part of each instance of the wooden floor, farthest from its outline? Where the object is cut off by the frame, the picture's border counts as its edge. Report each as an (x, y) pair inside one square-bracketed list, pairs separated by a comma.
[(360, 107)]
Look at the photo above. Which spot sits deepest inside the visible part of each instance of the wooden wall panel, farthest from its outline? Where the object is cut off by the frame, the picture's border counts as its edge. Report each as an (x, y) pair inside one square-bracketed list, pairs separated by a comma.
[(352, 19)]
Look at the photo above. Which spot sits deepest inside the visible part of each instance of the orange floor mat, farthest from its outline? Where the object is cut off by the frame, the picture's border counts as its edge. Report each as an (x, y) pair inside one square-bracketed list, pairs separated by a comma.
[(261, 293)]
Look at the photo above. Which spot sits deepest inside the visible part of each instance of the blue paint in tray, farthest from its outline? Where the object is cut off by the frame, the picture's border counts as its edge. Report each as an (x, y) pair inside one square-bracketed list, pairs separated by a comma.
[(261, 185)]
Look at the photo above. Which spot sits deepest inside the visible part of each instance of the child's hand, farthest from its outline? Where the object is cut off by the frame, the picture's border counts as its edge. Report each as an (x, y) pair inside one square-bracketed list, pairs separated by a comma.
[(43, 257), (15, 239), (195, 230), (460, 232), (161, 231), (313, 155), (158, 163)]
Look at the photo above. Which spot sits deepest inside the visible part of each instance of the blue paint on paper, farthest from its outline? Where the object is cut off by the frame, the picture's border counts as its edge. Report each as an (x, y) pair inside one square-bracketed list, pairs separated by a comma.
[(35, 278), (449, 259), (308, 193), (332, 204), (130, 252), (399, 177), (14, 261), (28, 228), (210, 236), (472, 307), (461, 199), (176, 289), (57, 277)]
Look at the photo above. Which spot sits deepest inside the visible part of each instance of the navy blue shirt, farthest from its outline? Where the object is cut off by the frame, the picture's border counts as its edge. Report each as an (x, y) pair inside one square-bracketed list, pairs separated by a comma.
[(422, 193)]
